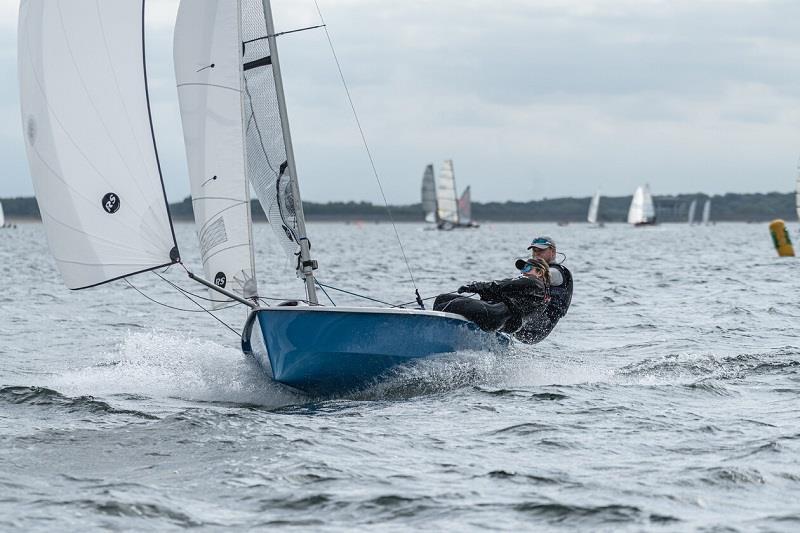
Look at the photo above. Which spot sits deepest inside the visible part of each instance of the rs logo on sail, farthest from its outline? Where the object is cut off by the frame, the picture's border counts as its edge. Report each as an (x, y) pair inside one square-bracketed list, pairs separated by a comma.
[(111, 203)]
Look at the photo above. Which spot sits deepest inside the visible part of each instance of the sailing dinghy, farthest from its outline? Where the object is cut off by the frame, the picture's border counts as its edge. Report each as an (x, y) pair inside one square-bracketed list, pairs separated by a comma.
[(692, 209), (429, 195), (706, 220), (642, 211), (594, 209), (96, 173)]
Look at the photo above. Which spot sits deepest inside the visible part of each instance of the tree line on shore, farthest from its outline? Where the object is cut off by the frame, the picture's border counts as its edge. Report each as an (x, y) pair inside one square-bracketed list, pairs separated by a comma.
[(755, 207)]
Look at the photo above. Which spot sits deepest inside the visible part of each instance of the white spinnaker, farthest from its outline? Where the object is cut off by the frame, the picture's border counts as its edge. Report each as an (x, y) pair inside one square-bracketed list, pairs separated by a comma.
[(429, 194), (207, 52), (90, 144), (594, 207), (465, 207), (2, 216), (446, 203), (692, 209), (707, 212)]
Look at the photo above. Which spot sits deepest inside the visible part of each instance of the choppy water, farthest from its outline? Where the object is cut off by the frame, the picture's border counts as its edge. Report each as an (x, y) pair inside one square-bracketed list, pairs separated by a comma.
[(666, 399)]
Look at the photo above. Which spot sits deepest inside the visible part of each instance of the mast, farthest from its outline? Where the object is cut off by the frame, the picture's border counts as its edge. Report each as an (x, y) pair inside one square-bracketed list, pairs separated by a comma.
[(306, 267)]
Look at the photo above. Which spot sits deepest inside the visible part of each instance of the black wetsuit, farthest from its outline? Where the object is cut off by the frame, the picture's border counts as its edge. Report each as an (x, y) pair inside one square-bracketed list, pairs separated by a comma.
[(539, 326), (505, 305)]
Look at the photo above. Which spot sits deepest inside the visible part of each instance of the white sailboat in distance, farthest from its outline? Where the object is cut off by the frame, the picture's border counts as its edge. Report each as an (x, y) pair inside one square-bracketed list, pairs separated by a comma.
[(594, 208), (706, 220), (692, 209), (429, 195), (642, 211)]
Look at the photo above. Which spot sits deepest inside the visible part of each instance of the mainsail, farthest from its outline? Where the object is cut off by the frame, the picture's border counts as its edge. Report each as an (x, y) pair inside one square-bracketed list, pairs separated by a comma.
[(692, 209), (707, 212), (2, 216), (594, 207), (89, 138), (446, 203), (429, 194), (465, 207), (208, 69), (642, 210)]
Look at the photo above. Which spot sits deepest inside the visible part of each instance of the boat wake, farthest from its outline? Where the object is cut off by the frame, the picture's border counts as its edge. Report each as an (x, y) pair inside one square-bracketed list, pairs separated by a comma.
[(162, 365)]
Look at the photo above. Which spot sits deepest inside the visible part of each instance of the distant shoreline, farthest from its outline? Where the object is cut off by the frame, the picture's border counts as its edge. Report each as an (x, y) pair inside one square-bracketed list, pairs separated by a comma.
[(731, 207)]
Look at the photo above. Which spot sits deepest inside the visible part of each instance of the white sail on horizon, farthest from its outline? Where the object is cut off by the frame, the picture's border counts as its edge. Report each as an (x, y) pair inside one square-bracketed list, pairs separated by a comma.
[(465, 207), (692, 209), (707, 212), (2, 216), (446, 200), (594, 208), (642, 210), (207, 58), (89, 139), (429, 194)]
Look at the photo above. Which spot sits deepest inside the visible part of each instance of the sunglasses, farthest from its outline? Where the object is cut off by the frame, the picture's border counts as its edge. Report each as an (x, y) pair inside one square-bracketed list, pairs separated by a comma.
[(528, 267)]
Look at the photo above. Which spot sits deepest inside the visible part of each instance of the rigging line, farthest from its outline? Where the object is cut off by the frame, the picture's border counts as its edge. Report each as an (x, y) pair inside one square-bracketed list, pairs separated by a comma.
[(215, 317), (160, 303), (354, 294), (423, 299), (366, 146), (325, 292), (282, 33)]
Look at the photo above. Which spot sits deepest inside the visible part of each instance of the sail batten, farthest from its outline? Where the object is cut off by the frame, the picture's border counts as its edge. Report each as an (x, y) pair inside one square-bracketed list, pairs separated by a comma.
[(89, 138), (207, 53)]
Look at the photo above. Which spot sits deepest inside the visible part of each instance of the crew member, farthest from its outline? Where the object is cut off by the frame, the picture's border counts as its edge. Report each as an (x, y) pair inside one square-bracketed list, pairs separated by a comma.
[(505, 305), (539, 327)]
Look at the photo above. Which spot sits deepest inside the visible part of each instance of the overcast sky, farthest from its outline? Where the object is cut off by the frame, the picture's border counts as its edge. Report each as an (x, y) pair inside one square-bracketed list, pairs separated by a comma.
[(530, 98)]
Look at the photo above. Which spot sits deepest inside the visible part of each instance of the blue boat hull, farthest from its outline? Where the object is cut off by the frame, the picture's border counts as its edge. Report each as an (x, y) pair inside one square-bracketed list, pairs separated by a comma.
[(325, 350)]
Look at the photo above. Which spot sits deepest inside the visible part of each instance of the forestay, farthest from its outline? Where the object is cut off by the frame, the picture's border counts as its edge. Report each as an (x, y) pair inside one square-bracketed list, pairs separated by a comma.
[(465, 207), (208, 69), (89, 138), (446, 205), (429, 194)]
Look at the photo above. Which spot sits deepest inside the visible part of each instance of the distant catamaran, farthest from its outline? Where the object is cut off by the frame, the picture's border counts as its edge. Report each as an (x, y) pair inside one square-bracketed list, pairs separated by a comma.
[(642, 211)]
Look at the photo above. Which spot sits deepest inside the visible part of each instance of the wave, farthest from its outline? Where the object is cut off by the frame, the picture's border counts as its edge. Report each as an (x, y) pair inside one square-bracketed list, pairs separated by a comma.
[(48, 398)]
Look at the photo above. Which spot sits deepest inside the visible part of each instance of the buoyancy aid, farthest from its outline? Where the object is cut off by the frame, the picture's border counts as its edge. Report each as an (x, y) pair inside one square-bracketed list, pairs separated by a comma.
[(539, 326)]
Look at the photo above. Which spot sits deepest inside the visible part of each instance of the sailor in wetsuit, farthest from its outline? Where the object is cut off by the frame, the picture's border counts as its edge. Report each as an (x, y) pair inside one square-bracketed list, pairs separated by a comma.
[(505, 305), (540, 326)]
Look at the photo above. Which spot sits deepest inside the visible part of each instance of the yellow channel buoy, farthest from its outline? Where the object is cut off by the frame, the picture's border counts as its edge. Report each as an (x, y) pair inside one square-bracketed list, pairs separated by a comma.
[(780, 237)]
